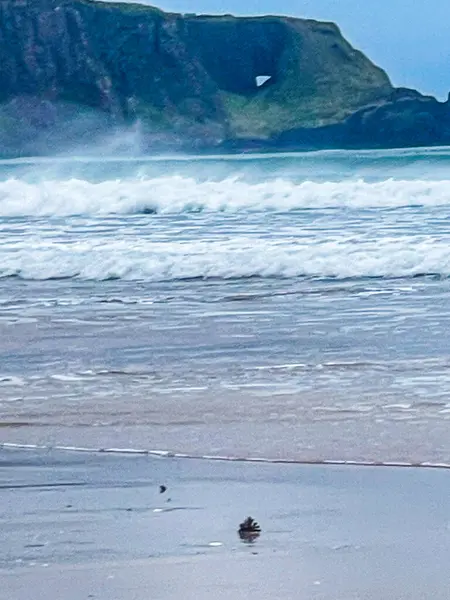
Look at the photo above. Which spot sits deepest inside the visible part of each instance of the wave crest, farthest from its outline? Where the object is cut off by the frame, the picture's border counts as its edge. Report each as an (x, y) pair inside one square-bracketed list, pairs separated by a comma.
[(176, 194), (147, 260)]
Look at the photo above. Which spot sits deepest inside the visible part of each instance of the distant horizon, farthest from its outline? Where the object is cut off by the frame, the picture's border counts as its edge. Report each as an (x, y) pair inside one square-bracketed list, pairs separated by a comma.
[(411, 44)]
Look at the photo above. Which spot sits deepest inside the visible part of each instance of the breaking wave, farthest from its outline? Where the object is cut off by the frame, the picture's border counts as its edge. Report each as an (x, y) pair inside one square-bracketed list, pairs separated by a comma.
[(176, 194), (147, 260)]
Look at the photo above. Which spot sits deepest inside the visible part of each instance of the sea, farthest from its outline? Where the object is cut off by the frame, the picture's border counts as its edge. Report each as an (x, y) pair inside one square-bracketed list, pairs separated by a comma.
[(292, 306)]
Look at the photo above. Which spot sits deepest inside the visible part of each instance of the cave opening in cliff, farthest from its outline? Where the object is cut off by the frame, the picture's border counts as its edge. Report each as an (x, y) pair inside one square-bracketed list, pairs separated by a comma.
[(247, 56), (262, 80)]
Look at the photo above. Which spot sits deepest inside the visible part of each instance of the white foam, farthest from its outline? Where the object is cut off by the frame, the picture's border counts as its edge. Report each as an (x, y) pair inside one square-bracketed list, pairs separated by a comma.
[(66, 378), (239, 257), (169, 454), (176, 194)]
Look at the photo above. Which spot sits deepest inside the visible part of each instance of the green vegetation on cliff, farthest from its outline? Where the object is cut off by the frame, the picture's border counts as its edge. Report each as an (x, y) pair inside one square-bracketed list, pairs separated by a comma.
[(317, 78)]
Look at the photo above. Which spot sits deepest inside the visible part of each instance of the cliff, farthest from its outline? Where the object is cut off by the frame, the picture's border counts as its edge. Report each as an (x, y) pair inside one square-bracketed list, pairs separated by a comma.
[(74, 70)]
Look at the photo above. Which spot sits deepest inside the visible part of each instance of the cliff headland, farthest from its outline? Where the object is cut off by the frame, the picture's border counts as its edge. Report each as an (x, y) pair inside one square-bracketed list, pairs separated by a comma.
[(74, 71)]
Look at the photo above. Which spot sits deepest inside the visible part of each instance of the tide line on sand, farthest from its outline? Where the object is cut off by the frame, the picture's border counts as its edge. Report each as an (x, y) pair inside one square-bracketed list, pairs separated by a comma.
[(212, 457)]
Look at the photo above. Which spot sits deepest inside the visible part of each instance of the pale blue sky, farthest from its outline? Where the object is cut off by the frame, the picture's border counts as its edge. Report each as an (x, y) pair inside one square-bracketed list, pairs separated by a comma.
[(410, 39)]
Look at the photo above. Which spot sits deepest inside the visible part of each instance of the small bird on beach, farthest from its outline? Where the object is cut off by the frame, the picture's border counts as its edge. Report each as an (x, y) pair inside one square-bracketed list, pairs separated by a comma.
[(162, 489), (249, 530)]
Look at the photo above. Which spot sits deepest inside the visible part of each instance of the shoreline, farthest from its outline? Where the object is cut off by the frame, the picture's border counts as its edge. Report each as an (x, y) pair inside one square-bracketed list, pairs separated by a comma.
[(231, 459)]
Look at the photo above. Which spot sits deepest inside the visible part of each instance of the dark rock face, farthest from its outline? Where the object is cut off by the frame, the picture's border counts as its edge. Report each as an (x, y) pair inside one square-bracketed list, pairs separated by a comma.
[(72, 71), (124, 62), (406, 121)]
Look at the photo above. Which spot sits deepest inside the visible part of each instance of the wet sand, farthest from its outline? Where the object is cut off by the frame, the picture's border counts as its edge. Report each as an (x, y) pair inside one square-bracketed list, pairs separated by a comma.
[(77, 526)]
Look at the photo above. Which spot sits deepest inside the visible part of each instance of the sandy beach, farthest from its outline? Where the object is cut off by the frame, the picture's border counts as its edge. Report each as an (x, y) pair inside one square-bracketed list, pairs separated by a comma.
[(77, 526)]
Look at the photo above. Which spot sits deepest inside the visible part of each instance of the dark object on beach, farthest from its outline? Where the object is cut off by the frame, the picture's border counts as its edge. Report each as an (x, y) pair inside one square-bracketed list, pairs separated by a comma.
[(249, 530), (162, 489)]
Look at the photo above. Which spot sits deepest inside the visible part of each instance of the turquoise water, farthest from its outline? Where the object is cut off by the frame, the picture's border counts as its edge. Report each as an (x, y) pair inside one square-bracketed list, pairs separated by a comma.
[(276, 305)]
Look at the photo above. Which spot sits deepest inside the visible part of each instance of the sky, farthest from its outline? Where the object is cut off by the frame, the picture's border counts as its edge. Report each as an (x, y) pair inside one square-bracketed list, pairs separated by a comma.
[(410, 39)]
